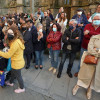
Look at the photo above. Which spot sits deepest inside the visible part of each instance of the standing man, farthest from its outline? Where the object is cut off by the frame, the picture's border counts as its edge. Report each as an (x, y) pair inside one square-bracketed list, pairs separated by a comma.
[(71, 40), (39, 11), (46, 23)]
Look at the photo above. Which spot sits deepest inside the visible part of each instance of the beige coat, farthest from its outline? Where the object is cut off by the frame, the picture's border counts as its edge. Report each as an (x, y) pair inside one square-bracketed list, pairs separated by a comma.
[(89, 75)]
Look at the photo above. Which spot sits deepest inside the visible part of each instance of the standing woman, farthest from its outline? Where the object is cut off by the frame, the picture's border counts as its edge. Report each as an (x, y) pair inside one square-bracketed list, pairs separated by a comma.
[(39, 40), (50, 14), (62, 22), (54, 45), (89, 74), (15, 52)]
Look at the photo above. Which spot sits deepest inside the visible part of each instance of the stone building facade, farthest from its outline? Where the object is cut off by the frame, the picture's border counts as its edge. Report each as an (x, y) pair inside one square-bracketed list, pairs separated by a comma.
[(30, 6)]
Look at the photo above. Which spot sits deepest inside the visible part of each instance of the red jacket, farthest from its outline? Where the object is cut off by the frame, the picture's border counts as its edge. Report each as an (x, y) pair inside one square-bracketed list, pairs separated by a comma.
[(86, 38), (54, 40)]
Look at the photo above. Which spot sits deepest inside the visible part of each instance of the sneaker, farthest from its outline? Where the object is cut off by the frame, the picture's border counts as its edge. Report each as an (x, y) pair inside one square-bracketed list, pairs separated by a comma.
[(54, 71), (51, 68), (49, 56), (9, 84), (19, 90), (89, 92), (75, 89)]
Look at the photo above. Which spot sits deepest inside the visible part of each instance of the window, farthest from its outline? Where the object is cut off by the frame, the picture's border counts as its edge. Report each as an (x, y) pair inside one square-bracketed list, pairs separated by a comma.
[(68, 2), (65, 2)]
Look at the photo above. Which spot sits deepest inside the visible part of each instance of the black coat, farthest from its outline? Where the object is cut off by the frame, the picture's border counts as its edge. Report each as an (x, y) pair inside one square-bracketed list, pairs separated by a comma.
[(39, 45), (27, 36), (71, 41), (33, 31), (1, 38)]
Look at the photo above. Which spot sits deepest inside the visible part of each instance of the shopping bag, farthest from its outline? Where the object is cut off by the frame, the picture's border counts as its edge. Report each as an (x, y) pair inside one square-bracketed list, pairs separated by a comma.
[(9, 65), (2, 78)]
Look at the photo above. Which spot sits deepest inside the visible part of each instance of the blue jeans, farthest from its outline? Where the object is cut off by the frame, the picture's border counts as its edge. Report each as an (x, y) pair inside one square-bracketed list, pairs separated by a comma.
[(39, 57), (54, 57), (82, 51)]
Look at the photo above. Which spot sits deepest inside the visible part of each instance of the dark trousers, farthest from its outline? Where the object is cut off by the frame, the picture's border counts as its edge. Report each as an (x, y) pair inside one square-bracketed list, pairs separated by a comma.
[(28, 58), (34, 55), (71, 56), (17, 74)]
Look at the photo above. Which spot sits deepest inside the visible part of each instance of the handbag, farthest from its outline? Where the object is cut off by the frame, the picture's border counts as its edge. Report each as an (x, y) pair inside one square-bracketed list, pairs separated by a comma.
[(90, 59)]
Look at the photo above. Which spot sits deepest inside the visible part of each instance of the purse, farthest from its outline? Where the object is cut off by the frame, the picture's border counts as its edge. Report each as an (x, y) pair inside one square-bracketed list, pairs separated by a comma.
[(89, 59)]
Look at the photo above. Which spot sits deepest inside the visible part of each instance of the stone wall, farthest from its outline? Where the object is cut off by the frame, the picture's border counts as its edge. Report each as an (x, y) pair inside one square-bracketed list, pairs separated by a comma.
[(30, 6)]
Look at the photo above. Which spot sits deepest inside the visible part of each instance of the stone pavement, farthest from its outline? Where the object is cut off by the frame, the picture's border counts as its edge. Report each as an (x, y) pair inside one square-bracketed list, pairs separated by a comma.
[(43, 85), (44, 82)]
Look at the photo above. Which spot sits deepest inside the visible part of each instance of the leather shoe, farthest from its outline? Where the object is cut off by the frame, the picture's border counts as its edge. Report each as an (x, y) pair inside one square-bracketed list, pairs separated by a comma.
[(58, 75), (27, 67), (70, 74)]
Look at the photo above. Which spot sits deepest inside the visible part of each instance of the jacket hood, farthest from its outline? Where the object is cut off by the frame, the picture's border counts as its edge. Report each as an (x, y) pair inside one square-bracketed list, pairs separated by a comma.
[(20, 44)]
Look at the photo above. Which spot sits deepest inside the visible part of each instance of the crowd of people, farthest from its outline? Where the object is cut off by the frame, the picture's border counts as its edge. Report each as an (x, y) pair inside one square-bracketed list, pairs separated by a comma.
[(28, 35)]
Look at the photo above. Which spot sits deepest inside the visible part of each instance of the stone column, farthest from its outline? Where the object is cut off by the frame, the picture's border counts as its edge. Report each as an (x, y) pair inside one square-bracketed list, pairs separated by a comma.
[(32, 6), (19, 6)]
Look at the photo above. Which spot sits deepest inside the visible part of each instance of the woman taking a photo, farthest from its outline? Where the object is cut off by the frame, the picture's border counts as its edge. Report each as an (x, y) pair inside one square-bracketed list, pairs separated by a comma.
[(15, 52)]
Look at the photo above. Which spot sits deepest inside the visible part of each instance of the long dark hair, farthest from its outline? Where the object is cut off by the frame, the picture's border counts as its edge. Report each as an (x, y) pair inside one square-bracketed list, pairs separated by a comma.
[(60, 19)]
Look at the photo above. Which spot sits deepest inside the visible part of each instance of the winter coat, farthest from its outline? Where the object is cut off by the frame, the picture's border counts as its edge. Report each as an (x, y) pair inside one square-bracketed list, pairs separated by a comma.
[(39, 45), (54, 40), (71, 41), (90, 74), (16, 54), (27, 36)]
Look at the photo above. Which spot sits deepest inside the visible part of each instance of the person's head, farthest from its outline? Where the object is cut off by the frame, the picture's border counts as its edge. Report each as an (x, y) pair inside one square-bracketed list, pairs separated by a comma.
[(13, 34), (29, 23), (49, 11), (38, 14), (22, 20), (45, 14), (62, 17), (96, 20), (88, 14), (39, 9), (23, 27), (98, 9), (9, 22), (62, 9), (39, 27), (56, 27), (72, 24), (13, 19), (79, 11)]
